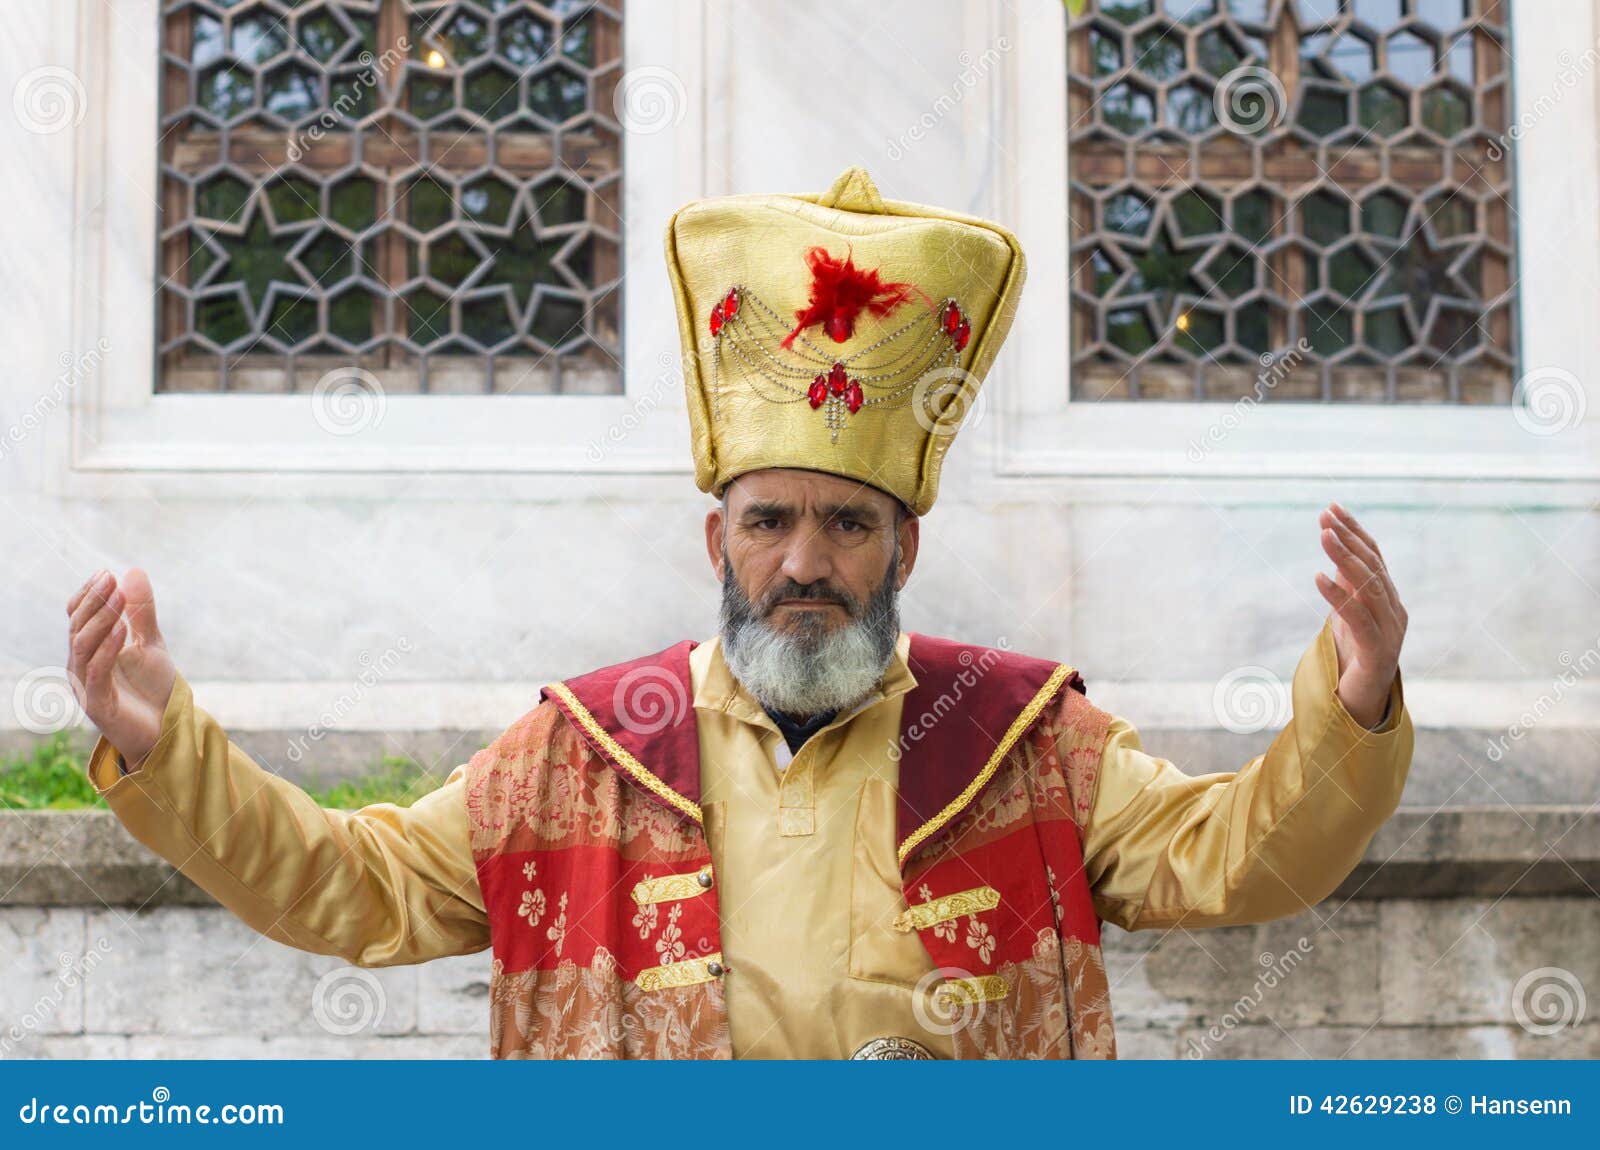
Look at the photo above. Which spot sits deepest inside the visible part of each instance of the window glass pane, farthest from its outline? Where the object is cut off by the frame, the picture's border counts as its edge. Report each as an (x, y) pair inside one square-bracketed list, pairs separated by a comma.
[(426, 190), (1317, 187)]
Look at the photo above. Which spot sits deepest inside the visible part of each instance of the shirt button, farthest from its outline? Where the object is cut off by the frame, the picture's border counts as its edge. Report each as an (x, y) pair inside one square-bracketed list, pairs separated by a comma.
[(714, 969), (704, 879)]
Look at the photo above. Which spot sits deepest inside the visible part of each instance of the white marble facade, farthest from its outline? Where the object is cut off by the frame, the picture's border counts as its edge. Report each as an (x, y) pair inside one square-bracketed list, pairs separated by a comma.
[(482, 541)]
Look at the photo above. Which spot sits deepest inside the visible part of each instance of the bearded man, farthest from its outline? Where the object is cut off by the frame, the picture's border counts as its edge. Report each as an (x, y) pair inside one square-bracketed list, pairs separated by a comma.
[(814, 835)]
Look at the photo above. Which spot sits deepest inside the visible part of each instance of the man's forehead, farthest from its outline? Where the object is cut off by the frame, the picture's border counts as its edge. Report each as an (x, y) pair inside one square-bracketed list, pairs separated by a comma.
[(799, 488)]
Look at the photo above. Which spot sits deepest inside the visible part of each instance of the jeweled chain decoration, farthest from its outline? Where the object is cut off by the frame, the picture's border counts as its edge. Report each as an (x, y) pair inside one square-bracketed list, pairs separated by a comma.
[(750, 332)]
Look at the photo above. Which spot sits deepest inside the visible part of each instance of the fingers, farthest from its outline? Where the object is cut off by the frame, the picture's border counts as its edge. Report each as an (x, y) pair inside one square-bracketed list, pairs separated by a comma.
[(96, 676), (1357, 539), (141, 607), (1350, 608), (89, 597), (1361, 543), (72, 603), (1350, 520), (88, 637)]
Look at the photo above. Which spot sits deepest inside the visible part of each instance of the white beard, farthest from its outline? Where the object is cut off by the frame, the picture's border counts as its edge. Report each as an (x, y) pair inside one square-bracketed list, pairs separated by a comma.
[(803, 673)]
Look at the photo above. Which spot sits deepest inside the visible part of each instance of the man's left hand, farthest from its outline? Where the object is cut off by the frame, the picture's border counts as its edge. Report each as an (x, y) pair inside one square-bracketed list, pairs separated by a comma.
[(1369, 622)]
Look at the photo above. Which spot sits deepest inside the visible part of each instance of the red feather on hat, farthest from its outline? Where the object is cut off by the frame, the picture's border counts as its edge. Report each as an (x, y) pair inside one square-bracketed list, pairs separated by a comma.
[(840, 292)]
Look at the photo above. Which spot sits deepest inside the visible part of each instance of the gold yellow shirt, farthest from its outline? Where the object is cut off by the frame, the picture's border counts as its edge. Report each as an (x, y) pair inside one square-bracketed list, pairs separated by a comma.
[(803, 846)]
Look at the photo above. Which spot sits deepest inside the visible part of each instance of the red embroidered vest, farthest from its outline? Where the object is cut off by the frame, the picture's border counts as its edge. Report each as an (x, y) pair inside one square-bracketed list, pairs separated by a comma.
[(602, 900)]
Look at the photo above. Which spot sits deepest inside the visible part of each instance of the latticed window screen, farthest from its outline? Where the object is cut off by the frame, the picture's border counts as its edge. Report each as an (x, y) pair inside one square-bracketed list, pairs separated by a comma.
[(1246, 174), (429, 191)]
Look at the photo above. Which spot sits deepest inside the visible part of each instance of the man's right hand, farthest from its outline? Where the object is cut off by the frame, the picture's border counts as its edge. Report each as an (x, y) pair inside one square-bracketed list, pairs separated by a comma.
[(122, 686)]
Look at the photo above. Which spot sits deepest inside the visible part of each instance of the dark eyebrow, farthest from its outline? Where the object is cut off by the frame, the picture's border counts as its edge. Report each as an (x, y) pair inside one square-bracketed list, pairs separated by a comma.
[(775, 509), (765, 509), (860, 511)]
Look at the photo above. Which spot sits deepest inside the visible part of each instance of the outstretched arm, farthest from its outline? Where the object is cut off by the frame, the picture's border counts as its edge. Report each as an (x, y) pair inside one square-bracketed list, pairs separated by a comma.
[(1164, 848), (378, 886)]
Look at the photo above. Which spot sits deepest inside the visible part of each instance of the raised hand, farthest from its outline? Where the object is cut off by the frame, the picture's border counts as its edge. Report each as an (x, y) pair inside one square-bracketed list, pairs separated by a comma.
[(1369, 622), (121, 671)]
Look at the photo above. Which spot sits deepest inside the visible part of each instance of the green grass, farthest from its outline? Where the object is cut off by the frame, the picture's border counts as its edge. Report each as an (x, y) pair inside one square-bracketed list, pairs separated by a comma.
[(51, 777)]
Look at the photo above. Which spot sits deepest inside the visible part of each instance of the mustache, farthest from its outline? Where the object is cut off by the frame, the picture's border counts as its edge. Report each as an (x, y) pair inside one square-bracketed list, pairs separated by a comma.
[(819, 592)]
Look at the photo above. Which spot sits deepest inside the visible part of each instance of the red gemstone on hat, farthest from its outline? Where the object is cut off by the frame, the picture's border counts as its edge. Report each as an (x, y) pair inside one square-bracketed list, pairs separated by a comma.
[(818, 392), (853, 397), (838, 328), (730, 306), (952, 319), (716, 319), (963, 333), (836, 378)]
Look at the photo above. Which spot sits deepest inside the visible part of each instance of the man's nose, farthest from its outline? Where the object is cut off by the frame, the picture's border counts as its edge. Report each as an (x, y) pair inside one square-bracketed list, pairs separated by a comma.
[(806, 560)]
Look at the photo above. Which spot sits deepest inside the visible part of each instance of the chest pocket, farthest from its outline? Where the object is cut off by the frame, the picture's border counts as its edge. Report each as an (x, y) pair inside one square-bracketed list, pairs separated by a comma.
[(879, 952)]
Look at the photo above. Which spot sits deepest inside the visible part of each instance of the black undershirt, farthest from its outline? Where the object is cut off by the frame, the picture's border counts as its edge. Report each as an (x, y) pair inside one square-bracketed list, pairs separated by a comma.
[(795, 731)]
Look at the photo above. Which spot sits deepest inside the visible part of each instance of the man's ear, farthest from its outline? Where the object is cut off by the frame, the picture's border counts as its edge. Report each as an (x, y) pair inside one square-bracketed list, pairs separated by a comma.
[(910, 534), (714, 522)]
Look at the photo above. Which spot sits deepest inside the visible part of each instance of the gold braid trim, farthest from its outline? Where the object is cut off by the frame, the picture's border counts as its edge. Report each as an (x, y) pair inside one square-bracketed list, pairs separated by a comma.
[(970, 991), (958, 905), (680, 973), (670, 887), (641, 774), (1020, 724)]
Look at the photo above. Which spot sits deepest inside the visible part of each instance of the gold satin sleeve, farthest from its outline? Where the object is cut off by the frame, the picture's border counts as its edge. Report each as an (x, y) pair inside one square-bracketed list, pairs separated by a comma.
[(1269, 840), (379, 886)]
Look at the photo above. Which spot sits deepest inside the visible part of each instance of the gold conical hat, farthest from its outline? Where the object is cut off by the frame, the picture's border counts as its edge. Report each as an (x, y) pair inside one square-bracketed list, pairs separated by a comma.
[(782, 368)]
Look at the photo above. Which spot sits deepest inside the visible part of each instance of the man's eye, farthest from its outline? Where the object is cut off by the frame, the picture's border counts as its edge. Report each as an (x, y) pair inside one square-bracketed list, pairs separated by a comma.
[(849, 525), (768, 524)]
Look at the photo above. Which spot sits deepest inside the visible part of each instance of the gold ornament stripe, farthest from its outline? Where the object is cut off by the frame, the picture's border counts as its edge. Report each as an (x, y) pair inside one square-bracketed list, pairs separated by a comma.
[(671, 887), (690, 973), (641, 774), (971, 991), (1014, 732), (958, 905)]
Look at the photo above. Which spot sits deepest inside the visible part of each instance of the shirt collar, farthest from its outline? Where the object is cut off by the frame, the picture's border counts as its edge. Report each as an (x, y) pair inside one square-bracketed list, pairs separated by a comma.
[(716, 689)]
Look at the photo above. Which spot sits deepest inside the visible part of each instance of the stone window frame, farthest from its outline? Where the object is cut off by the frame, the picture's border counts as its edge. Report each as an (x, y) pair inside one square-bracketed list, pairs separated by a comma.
[(121, 424), (1038, 431)]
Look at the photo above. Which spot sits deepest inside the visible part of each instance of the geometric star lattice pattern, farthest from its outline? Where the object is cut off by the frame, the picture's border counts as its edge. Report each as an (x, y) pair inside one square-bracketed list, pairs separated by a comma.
[(1250, 174), (427, 190)]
